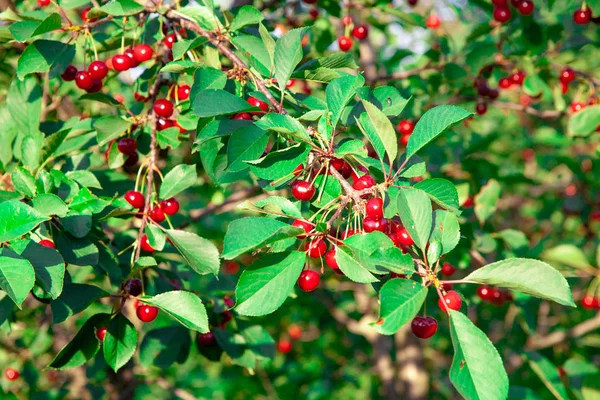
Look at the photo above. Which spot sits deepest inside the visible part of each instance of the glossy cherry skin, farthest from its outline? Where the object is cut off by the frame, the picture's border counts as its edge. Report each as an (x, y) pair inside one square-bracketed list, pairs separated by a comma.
[(505, 83), (183, 92), (448, 269), (485, 292), (404, 238), (314, 13), (345, 43), (481, 108), (525, 7), (254, 102), (309, 280), (121, 62), (375, 208), (136, 199), (98, 69), (577, 106), (163, 108), (364, 182), (127, 145), (11, 374), (162, 124), (433, 22), (206, 339), (83, 80), (69, 74), (84, 15), (101, 333), (145, 244), (582, 17), (303, 190), (170, 206), (423, 327), (502, 14), (242, 116), (590, 302), (406, 127), (139, 97), (146, 313), (567, 75), (48, 243), (142, 52), (372, 225), (170, 40), (316, 248), (43, 3), (305, 225), (518, 77), (360, 32), (157, 214), (284, 346), (452, 300), (330, 259), (133, 287)]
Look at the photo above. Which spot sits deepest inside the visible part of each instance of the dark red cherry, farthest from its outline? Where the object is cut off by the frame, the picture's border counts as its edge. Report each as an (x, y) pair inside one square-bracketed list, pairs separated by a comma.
[(309, 280), (423, 327), (360, 32), (525, 7), (242, 116), (69, 74), (121, 62), (567, 75), (157, 214), (502, 14), (303, 190), (133, 287), (127, 145), (162, 124), (206, 339), (582, 16), (364, 182), (375, 208), (484, 292), (83, 80), (132, 159), (448, 269)]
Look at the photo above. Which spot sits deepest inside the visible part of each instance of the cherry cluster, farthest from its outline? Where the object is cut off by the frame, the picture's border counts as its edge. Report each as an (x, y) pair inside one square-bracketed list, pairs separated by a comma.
[(502, 12), (359, 32), (496, 296), (516, 78), (294, 332), (405, 128), (254, 102)]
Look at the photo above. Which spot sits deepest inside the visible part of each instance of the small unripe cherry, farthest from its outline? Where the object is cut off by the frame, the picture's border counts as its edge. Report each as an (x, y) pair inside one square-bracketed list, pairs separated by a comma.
[(364, 182), (360, 32), (163, 108), (305, 225), (98, 69), (157, 214), (127, 145), (330, 259), (502, 14), (284, 346), (316, 248), (101, 333), (345, 43), (83, 80), (254, 102), (303, 190), (170, 206), (145, 244), (423, 327), (146, 313), (11, 374), (135, 198), (47, 243), (183, 92), (448, 269), (142, 52), (121, 62), (206, 339), (452, 301), (375, 208), (309, 280)]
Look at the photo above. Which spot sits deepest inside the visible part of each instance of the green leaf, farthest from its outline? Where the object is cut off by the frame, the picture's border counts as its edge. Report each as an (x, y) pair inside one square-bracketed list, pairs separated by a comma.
[(486, 200), (122, 8), (247, 348), (265, 231), (200, 14), (164, 346), (199, 253), (416, 215), (84, 345), (432, 124), (24, 182), (84, 178), (401, 300), (279, 163), (442, 192), (534, 86), (215, 102), (185, 307), (75, 298), (352, 268), (529, 276), (389, 100), (16, 219), (80, 252), (17, 276), (475, 361), (41, 55), (549, 374), (273, 205), (269, 44), (264, 285), (246, 144), (177, 180), (181, 47), (207, 78), (284, 124), (351, 147), (339, 92), (181, 66), (584, 122), (567, 254), (49, 267), (156, 238), (24, 104), (288, 54), (120, 342), (24, 30), (380, 131), (376, 249), (247, 15), (110, 127), (445, 231)]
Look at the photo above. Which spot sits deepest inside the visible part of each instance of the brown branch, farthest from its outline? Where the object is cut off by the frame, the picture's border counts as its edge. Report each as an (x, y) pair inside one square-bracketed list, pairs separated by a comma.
[(554, 338)]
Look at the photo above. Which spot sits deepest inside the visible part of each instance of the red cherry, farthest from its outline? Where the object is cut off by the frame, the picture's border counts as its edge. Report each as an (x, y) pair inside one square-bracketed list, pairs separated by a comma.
[(43, 3), (146, 313), (315, 248), (484, 292), (11, 374), (423, 327), (284, 346), (170, 40), (310, 1), (577, 106), (98, 69), (505, 83), (404, 238), (121, 62), (170, 206), (517, 78), (364, 182), (294, 331), (346, 234), (433, 21), (375, 208), (303, 190), (347, 20), (145, 244), (101, 333), (242, 116), (345, 43), (309, 280), (500, 3), (132, 159), (371, 224), (468, 203), (254, 102), (84, 15), (132, 60), (525, 7), (589, 302), (567, 75), (404, 140), (157, 214), (96, 87), (307, 226), (136, 199), (163, 108), (70, 73), (47, 243), (206, 339), (330, 259), (360, 32), (133, 287), (502, 14), (162, 124), (183, 92), (127, 145), (452, 300), (481, 108), (406, 127), (231, 268), (314, 13), (581, 16), (142, 52), (139, 98), (83, 80), (448, 269), (228, 300)]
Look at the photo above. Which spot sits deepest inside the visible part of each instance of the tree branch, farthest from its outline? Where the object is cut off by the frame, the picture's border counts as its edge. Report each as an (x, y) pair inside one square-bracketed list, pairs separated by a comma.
[(537, 343)]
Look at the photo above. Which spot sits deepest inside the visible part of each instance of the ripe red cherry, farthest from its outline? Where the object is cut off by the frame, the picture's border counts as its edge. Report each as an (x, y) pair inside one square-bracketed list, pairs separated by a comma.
[(404, 140), (581, 16), (84, 15), (505, 83), (127, 145), (157, 214), (43, 3), (83, 80), (448, 269), (242, 116), (404, 238), (70, 73), (254, 102), (206, 339), (183, 92), (294, 331), (231, 268), (452, 300), (485, 292), (11, 374), (345, 43), (145, 244), (132, 61), (162, 124), (371, 224), (303, 190), (121, 62), (136, 199), (364, 182), (406, 127), (375, 208), (132, 159), (142, 52), (502, 14), (290, 83), (139, 97), (433, 21), (133, 287), (330, 260), (525, 7), (314, 13), (101, 333), (98, 69), (468, 203), (163, 108), (589, 302), (169, 40), (423, 327), (146, 313), (315, 248), (360, 32), (170, 206), (518, 77), (307, 226), (347, 20), (577, 106), (47, 243), (96, 86), (481, 108), (284, 346), (309, 280), (567, 75)]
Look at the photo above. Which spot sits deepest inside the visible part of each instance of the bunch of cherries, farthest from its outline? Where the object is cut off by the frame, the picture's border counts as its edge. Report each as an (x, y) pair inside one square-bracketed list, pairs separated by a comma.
[(359, 32), (294, 332)]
